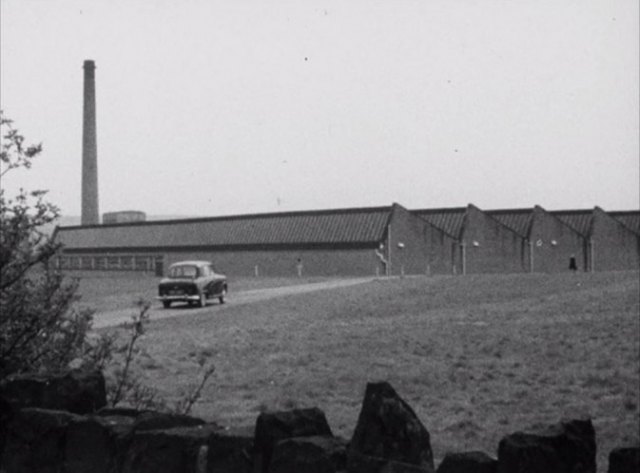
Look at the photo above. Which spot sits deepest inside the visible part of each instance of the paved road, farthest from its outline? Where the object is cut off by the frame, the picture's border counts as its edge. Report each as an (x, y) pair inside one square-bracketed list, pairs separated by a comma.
[(117, 317)]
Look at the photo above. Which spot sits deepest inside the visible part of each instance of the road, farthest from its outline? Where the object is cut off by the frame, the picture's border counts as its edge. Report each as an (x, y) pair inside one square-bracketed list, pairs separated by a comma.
[(117, 317)]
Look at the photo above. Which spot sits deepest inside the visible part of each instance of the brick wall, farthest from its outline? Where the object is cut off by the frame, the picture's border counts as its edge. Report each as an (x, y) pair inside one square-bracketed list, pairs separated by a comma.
[(615, 247), (489, 246), (553, 244), (426, 249), (358, 262)]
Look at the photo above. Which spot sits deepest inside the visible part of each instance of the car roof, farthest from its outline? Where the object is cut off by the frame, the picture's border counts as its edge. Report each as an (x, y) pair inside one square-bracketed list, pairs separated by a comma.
[(192, 263)]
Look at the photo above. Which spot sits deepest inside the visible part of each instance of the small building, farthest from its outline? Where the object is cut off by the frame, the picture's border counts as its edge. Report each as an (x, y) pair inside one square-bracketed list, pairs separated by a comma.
[(124, 216)]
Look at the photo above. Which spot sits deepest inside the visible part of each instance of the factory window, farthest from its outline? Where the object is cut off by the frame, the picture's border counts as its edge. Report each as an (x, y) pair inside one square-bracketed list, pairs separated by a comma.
[(101, 263), (126, 262), (141, 263)]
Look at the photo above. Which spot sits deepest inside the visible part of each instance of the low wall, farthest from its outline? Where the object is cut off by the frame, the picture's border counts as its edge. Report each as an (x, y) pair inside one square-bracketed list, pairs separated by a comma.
[(388, 437)]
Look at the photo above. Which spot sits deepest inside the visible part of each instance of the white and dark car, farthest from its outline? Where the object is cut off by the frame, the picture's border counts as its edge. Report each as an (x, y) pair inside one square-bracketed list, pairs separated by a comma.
[(194, 282)]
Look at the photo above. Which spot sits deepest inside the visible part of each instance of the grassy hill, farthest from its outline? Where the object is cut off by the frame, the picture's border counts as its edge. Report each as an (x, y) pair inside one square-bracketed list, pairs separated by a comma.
[(477, 357)]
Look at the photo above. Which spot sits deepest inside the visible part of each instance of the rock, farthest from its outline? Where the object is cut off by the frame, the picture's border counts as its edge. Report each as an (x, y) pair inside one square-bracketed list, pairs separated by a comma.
[(468, 462), (271, 427), (230, 451), (35, 441), (97, 444), (624, 460), (121, 412), (388, 428), (315, 454), (79, 392), (7, 413), (357, 463), (174, 450), (565, 447), (151, 420)]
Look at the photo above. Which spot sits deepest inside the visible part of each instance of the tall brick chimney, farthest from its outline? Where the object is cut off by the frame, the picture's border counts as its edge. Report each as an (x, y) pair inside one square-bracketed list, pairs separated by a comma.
[(90, 212)]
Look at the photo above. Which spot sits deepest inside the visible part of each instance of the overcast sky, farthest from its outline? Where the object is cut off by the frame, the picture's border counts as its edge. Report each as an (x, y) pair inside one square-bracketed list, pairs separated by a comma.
[(227, 107)]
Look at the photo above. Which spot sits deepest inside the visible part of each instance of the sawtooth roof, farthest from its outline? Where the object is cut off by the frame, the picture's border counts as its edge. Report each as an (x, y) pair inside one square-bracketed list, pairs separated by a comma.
[(449, 220), (518, 220), (579, 220), (629, 218), (341, 226)]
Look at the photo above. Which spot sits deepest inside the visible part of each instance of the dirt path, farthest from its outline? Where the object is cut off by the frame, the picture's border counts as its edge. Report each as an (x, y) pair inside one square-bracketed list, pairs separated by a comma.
[(117, 317)]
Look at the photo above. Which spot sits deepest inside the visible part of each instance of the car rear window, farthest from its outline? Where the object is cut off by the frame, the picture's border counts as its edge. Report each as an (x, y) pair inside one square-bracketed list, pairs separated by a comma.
[(183, 271)]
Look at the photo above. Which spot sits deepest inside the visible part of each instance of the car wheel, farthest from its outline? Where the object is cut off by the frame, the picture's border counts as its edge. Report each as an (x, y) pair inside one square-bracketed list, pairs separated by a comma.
[(203, 299), (166, 304), (221, 296)]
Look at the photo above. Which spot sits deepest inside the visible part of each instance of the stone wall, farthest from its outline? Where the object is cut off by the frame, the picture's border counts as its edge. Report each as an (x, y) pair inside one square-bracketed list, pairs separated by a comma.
[(388, 438)]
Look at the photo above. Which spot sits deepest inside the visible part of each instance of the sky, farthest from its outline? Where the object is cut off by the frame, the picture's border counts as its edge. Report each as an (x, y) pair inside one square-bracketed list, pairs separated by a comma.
[(236, 106)]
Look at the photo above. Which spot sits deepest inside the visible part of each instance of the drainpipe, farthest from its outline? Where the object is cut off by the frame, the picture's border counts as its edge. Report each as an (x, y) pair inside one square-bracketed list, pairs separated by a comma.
[(592, 255), (531, 256), (389, 251), (463, 247)]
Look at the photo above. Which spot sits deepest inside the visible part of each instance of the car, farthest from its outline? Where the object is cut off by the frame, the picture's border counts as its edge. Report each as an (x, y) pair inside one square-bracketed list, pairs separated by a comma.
[(194, 282)]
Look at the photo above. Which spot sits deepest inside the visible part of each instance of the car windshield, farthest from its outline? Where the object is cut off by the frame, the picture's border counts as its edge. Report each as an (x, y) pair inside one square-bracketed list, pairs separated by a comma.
[(184, 271)]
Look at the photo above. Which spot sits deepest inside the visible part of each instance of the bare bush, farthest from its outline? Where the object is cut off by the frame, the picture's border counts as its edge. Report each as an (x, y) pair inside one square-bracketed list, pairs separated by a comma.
[(39, 330)]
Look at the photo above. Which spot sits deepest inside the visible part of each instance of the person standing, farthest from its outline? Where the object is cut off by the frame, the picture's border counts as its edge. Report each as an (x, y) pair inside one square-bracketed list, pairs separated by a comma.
[(573, 266)]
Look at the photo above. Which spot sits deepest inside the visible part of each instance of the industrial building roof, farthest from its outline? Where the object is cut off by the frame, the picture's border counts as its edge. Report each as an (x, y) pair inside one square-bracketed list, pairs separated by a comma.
[(579, 220), (341, 226), (518, 220), (629, 218), (353, 227), (449, 220)]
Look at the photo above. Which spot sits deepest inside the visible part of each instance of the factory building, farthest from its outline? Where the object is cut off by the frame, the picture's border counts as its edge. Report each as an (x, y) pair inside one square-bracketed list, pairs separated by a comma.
[(550, 242), (488, 246), (387, 240), (610, 244), (483, 244), (361, 241)]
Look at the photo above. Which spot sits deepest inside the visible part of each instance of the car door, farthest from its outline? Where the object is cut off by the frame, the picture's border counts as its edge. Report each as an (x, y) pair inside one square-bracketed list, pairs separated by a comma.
[(209, 280)]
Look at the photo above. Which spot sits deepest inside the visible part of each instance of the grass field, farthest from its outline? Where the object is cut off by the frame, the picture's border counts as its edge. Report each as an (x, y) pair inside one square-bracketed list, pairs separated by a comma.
[(477, 357)]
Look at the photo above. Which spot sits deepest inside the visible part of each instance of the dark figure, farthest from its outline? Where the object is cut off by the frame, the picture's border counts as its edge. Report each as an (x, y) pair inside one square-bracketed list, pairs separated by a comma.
[(573, 266)]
